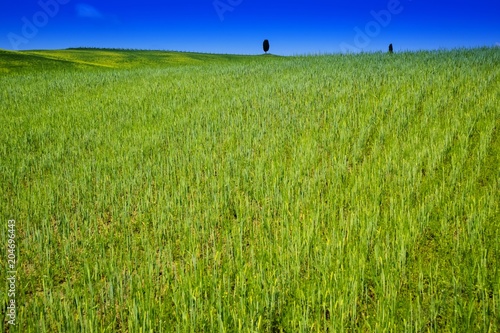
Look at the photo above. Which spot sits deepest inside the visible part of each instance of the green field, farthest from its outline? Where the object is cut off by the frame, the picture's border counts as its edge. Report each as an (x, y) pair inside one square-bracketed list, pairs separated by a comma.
[(183, 192)]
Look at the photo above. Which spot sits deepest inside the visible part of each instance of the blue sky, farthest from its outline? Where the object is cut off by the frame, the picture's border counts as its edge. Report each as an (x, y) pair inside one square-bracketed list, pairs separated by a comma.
[(240, 26)]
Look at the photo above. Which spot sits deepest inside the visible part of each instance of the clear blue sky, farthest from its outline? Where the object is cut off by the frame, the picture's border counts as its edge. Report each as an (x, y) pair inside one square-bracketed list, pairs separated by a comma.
[(240, 26)]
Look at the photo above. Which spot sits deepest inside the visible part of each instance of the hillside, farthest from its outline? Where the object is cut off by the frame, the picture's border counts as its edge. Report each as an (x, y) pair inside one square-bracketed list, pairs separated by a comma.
[(18, 62)]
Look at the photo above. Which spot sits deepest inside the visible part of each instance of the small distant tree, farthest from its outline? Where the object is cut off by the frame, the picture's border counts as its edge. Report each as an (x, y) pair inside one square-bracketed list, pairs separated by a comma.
[(391, 50), (265, 45)]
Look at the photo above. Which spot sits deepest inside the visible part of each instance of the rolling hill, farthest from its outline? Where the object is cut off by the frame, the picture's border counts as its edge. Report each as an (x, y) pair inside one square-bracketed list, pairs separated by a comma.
[(84, 58)]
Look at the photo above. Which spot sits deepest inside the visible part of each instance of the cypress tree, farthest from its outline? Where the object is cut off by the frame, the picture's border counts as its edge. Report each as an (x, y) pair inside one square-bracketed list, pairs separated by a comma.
[(266, 45)]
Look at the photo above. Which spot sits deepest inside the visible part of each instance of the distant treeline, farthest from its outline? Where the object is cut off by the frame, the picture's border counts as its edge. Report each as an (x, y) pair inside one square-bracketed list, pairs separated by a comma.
[(112, 49), (118, 49)]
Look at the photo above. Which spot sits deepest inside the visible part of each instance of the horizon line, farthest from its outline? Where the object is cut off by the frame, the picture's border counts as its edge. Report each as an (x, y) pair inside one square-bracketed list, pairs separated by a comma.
[(440, 49)]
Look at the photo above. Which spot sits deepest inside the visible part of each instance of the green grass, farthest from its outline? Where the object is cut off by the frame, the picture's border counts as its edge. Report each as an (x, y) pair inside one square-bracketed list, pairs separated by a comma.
[(206, 193), (100, 59)]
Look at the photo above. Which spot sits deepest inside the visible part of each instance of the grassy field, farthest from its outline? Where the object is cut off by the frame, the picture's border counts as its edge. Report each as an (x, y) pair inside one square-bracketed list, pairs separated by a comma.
[(178, 192)]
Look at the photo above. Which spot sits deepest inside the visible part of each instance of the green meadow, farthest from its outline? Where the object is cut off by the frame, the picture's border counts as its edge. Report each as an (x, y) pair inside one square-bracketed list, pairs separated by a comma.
[(184, 192)]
